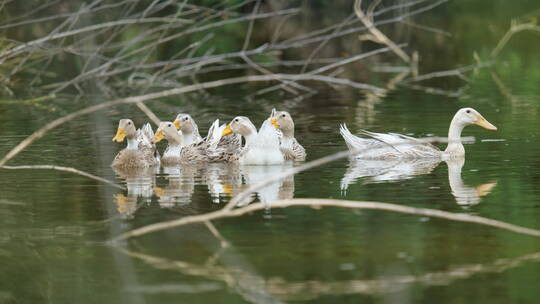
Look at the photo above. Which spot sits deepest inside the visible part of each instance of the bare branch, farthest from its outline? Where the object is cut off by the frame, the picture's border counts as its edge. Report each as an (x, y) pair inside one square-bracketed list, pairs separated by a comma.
[(65, 169), (317, 202)]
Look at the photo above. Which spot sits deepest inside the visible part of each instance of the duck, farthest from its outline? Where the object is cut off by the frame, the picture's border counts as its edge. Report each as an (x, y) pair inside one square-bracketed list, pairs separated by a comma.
[(291, 149), (185, 123), (177, 151), (213, 148), (140, 151), (261, 148), (393, 145)]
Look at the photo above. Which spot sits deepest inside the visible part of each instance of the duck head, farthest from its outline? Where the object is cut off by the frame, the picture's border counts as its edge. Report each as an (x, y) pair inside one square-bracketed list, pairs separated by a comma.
[(240, 125), (126, 128)]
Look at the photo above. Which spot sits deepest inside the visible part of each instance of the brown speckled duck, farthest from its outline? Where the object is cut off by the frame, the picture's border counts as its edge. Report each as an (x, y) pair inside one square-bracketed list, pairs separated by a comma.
[(140, 152), (190, 132), (291, 149), (213, 148)]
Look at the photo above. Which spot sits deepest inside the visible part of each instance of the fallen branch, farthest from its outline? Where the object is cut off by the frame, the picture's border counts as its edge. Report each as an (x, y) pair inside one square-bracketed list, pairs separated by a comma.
[(65, 169), (317, 202)]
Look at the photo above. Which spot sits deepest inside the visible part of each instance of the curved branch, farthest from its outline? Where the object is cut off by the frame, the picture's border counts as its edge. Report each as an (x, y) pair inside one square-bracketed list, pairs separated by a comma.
[(317, 202)]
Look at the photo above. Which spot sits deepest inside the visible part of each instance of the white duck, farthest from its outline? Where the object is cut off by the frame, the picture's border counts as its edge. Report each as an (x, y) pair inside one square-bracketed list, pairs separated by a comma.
[(261, 148), (393, 145)]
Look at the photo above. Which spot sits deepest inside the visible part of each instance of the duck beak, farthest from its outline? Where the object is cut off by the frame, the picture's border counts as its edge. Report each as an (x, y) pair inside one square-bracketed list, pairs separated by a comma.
[(274, 123), (227, 130), (120, 135), (177, 124), (158, 136), (159, 191), (485, 189), (227, 189), (482, 122)]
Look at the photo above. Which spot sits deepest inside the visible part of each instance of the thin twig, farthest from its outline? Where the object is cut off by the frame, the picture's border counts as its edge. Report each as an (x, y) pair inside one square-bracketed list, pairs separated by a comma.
[(65, 169), (382, 38)]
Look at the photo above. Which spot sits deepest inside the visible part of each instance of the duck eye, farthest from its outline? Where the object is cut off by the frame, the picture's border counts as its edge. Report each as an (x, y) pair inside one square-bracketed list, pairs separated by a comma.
[(468, 111), (169, 125), (237, 120), (283, 115), (129, 122)]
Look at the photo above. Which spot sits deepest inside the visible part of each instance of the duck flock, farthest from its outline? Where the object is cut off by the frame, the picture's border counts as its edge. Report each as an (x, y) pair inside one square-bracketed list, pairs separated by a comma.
[(273, 143)]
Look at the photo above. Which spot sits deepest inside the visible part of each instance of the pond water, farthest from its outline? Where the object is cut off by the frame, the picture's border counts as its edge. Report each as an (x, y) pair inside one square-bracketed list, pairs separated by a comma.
[(55, 226)]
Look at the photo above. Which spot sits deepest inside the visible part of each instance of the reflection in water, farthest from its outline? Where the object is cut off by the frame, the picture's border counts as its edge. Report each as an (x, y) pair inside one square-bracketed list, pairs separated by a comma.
[(386, 170), (283, 189), (180, 187), (257, 289), (465, 195), (374, 171), (223, 181), (139, 183)]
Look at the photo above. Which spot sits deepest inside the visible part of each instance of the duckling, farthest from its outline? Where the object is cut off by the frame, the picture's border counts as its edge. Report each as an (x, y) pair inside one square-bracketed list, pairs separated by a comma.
[(140, 152), (289, 146)]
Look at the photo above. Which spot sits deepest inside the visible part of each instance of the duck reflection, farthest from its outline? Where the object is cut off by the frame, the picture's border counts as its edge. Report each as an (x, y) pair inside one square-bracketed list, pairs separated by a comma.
[(283, 189), (139, 183), (180, 187), (223, 181), (376, 171), (465, 195)]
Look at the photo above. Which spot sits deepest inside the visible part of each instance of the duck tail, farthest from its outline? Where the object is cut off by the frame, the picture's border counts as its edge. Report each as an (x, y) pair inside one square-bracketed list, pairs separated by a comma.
[(353, 142), (214, 133), (147, 131)]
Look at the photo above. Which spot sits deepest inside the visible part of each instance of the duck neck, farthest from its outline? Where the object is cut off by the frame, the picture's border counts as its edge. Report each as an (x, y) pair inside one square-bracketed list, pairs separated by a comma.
[(250, 135), (174, 140), (286, 141), (455, 147), (288, 133), (188, 138), (132, 143), (250, 138)]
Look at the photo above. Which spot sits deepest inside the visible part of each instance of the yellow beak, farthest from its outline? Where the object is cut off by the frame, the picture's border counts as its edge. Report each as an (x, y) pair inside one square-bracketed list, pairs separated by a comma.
[(177, 124), (120, 135), (485, 189), (159, 191), (227, 130), (158, 136), (274, 123), (227, 189), (482, 122)]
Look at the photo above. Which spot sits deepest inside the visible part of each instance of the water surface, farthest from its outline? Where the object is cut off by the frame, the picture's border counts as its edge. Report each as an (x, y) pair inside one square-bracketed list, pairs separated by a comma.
[(55, 225)]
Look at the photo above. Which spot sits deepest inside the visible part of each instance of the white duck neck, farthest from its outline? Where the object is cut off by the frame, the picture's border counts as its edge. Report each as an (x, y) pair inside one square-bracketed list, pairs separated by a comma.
[(251, 138), (174, 140), (455, 146), (286, 141), (132, 143), (188, 139)]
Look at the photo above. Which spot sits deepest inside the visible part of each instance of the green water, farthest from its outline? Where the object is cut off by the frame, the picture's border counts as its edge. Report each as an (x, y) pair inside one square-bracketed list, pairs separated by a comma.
[(54, 226)]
